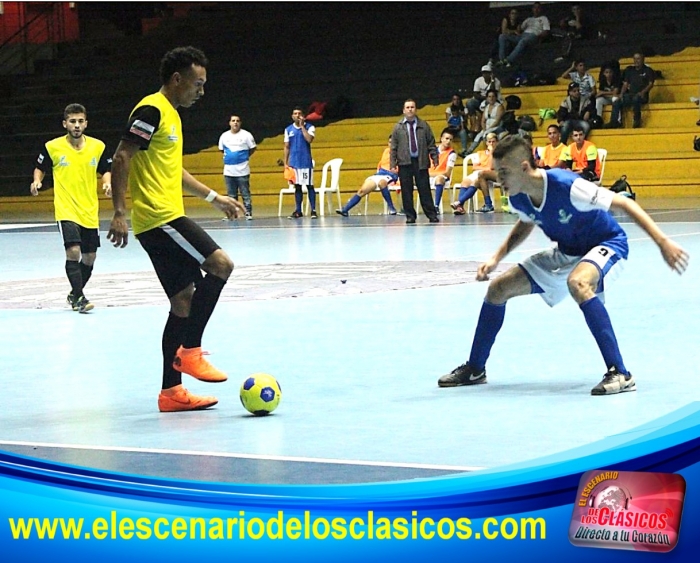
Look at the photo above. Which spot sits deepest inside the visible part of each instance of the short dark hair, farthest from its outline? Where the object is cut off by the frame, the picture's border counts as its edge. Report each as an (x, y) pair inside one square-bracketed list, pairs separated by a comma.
[(514, 144), (555, 126), (74, 108), (577, 127), (446, 130), (180, 59), (299, 108)]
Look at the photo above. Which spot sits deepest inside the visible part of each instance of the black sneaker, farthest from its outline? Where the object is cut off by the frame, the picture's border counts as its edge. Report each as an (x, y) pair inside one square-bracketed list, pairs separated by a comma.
[(72, 301), (463, 375), (295, 215), (314, 214), (84, 305), (342, 212)]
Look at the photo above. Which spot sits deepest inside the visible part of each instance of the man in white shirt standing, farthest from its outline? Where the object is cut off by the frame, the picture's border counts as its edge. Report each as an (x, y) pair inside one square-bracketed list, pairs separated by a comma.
[(238, 145), (533, 29)]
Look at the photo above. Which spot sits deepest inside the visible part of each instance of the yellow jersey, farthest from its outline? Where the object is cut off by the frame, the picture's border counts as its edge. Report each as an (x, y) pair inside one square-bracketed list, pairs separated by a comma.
[(75, 178), (155, 174)]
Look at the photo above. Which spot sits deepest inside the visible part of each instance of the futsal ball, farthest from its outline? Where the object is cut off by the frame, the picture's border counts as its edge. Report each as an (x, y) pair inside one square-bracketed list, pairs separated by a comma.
[(260, 394)]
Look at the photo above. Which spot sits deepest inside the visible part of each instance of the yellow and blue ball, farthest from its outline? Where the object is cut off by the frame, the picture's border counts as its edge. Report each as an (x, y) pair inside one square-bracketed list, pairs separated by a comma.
[(260, 394)]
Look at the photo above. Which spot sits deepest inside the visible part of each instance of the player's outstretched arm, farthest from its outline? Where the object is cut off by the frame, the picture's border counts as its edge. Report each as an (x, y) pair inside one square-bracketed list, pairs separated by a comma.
[(107, 184), (673, 254), (38, 178), (228, 205), (118, 233), (518, 234)]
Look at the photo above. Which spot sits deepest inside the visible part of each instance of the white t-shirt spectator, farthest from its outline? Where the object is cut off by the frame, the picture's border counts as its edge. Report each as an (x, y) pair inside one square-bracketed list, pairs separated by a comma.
[(236, 147), (586, 83), (481, 86), (535, 26)]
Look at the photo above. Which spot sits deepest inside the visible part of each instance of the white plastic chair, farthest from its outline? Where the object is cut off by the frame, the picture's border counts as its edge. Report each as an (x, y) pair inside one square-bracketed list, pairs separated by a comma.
[(326, 187), (472, 203), (448, 184), (289, 190), (392, 188), (603, 155)]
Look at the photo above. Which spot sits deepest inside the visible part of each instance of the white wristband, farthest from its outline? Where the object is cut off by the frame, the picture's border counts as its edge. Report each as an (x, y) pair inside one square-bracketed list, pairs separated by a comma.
[(211, 197)]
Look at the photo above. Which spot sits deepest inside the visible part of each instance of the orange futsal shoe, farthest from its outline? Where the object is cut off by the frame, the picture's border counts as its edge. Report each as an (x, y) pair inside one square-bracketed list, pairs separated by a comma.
[(192, 362), (179, 399)]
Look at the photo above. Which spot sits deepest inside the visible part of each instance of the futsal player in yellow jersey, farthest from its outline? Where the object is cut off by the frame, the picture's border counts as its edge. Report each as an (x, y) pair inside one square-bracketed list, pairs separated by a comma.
[(75, 160), (149, 160)]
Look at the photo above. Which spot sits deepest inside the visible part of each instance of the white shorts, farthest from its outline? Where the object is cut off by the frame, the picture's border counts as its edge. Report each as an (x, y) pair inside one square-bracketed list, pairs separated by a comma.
[(473, 177), (549, 270), (376, 178), (432, 182), (304, 176)]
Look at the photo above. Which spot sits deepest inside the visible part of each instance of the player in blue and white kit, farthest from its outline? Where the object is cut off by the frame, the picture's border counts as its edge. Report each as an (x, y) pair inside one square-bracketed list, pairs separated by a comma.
[(297, 155), (238, 145), (591, 250)]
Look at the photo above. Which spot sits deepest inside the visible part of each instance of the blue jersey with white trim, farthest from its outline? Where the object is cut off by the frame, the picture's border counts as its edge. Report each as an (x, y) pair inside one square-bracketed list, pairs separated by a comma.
[(299, 147), (574, 213)]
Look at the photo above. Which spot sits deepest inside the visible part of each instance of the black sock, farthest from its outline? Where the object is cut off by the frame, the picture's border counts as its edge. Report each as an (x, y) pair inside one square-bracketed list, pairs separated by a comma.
[(204, 300), (172, 339), (86, 272), (75, 278)]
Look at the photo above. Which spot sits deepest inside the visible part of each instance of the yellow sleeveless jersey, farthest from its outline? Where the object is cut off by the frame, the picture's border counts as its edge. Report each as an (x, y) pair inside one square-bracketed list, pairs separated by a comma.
[(155, 174), (75, 179)]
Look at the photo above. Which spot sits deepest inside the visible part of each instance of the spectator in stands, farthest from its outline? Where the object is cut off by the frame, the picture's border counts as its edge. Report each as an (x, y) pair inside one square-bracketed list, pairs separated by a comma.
[(510, 25), (492, 112), (608, 89), (382, 179), (551, 154), (297, 155), (578, 73), (575, 111), (696, 101), (572, 27), (479, 179), (455, 115), (441, 174), (533, 30), (412, 149), (637, 82), (581, 156), (238, 145), (74, 159), (575, 25), (487, 81)]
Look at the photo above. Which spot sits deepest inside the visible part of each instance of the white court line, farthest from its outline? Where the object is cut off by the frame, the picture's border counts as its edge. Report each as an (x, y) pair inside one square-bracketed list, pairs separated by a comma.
[(673, 237), (9, 226), (247, 456)]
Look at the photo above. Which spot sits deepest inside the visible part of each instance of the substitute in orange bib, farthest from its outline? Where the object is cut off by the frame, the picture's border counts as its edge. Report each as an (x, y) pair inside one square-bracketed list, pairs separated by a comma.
[(479, 179), (581, 156), (551, 154), (441, 175), (383, 178)]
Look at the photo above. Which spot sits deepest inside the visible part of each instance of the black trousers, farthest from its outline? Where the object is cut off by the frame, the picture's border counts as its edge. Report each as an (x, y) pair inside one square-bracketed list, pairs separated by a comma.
[(407, 174)]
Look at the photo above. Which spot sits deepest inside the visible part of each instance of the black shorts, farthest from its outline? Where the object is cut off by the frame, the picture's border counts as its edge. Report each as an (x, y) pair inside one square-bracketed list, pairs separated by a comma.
[(177, 250), (74, 234)]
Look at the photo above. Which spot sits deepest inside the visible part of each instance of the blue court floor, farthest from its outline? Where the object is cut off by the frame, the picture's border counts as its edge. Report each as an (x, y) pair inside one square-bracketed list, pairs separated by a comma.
[(357, 318)]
